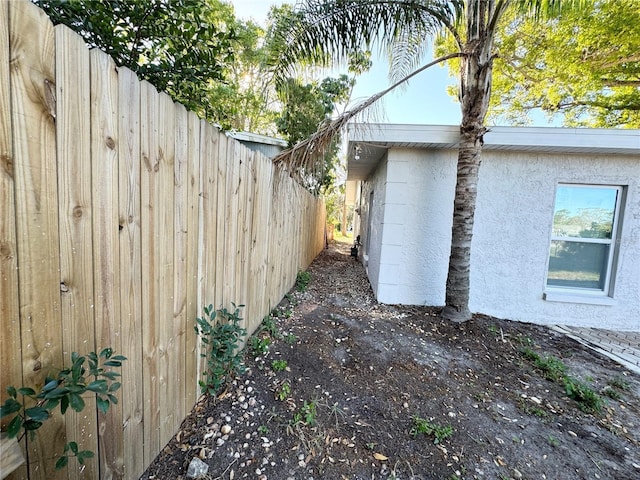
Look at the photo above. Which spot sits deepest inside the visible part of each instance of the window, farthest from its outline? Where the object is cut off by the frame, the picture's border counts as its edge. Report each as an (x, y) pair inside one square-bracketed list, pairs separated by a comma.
[(583, 237)]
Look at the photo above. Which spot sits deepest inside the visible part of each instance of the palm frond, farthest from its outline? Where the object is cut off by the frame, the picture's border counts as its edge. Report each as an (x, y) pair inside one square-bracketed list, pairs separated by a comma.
[(305, 156), (320, 31)]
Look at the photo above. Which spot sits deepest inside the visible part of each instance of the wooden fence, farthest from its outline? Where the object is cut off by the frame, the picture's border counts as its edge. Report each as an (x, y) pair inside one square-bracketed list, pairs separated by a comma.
[(121, 215)]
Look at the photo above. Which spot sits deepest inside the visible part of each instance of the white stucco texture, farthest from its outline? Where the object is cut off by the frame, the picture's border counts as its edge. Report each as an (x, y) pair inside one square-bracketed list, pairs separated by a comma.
[(411, 220)]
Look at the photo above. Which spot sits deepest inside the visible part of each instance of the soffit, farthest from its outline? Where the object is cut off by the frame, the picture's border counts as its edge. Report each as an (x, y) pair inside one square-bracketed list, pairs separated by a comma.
[(368, 143)]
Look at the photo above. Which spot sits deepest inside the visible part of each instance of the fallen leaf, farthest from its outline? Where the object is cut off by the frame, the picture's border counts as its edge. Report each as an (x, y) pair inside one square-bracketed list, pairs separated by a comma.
[(379, 456)]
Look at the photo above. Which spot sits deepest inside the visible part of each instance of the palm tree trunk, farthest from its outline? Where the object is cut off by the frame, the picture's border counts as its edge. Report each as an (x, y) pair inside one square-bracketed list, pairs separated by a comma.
[(458, 280), (475, 92)]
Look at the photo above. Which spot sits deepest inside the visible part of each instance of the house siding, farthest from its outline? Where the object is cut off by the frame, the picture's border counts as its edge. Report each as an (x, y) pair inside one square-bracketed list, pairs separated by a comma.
[(373, 215), (512, 232), (414, 191)]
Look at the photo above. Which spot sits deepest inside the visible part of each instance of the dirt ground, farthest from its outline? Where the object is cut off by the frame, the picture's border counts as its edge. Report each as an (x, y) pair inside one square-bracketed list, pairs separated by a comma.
[(351, 389)]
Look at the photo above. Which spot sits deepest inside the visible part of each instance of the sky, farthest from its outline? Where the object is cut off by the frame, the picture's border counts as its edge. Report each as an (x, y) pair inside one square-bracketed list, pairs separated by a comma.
[(424, 101)]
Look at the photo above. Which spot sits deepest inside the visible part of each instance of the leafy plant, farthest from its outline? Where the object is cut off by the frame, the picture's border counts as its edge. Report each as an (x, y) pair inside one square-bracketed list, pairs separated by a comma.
[(307, 414), (588, 400), (263, 429), (611, 393), (302, 280), (424, 426), (291, 339), (220, 333), (259, 346), (65, 390), (279, 365), (283, 391), (269, 325)]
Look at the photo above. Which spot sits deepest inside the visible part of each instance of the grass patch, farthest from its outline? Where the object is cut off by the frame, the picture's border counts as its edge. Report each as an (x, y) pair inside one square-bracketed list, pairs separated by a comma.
[(555, 370), (425, 427)]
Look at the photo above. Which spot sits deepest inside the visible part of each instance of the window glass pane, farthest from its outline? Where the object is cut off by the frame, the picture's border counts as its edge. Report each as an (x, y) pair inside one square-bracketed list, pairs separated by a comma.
[(584, 212), (578, 264)]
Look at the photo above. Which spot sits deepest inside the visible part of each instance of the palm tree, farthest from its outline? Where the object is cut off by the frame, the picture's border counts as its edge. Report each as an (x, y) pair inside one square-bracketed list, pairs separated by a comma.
[(322, 31)]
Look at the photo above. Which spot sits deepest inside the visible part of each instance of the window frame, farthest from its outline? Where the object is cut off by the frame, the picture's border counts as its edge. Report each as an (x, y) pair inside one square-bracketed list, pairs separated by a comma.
[(613, 242)]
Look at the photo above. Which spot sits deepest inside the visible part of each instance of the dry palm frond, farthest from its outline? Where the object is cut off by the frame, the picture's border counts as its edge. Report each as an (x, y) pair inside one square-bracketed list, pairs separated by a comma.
[(305, 155)]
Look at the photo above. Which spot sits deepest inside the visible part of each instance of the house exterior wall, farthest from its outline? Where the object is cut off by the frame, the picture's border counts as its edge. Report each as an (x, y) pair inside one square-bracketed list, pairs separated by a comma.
[(512, 231), (372, 225), (516, 194)]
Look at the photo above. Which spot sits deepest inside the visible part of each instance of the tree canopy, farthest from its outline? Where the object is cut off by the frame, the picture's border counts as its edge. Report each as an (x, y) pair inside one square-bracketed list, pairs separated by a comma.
[(179, 46), (583, 67)]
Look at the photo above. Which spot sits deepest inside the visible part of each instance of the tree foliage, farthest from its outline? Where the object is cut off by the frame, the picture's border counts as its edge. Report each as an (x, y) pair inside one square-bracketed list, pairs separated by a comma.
[(583, 67), (179, 46)]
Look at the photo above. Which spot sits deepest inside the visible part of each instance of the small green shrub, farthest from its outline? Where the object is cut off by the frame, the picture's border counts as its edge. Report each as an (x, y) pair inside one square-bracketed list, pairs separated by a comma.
[(588, 400), (259, 346), (278, 365), (220, 333), (302, 280), (307, 414), (65, 390), (269, 325), (291, 339), (423, 426), (283, 391)]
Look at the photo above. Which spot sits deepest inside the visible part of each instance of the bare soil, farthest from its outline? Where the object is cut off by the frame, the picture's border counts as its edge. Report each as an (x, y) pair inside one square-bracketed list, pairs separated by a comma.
[(360, 373)]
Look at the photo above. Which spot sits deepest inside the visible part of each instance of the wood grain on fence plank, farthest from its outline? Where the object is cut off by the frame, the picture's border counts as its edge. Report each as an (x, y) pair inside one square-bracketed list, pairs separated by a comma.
[(104, 168), (193, 245), (150, 231), (131, 295), (221, 219), (180, 265), (32, 83), (209, 163), (76, 216), (164, 225), (10, 345)]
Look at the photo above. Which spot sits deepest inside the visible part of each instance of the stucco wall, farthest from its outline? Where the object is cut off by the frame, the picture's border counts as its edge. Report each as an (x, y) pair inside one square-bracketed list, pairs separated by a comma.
[(511, 236), (371, 223), (512, 233)]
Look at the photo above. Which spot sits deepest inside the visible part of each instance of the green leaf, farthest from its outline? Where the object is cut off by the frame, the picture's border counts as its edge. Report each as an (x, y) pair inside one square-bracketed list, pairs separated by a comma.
[(51, 404), (121, 358), (57, 393), (64, 404), (106, 353), (112, 363), (84, 455), (73, 446), (113, 399), (14, 426), (76, 402), (11, 390), (98, 386), (26, 391), (32, 425), (114, 386), (10, 406), (111, 375), (50, 386), (38, 414), (102, 404), (62, 462)]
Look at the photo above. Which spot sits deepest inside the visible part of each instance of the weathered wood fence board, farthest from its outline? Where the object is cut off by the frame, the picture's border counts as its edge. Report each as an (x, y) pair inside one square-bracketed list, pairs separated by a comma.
[(123, 214)]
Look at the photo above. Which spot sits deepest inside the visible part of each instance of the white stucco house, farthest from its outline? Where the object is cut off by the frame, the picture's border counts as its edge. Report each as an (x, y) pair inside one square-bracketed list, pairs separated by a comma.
[(557, 225)]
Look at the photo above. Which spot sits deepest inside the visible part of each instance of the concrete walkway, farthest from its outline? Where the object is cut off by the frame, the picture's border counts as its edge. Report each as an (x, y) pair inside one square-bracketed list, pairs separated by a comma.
[(623, 347)]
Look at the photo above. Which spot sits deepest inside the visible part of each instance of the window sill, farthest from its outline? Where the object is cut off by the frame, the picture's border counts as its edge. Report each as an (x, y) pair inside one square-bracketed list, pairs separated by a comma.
[(564, 297)]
